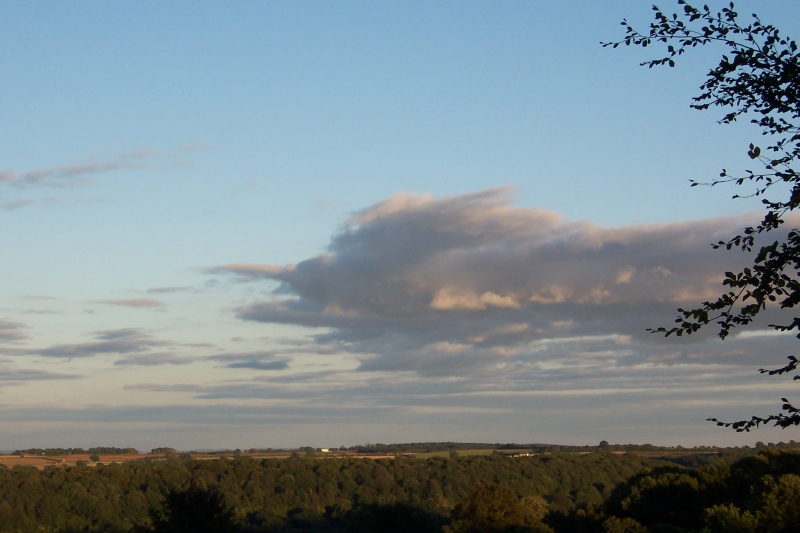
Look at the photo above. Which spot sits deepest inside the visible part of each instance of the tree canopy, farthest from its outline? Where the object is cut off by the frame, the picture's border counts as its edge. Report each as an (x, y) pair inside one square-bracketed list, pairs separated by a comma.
[(298, 494), (758, 78)]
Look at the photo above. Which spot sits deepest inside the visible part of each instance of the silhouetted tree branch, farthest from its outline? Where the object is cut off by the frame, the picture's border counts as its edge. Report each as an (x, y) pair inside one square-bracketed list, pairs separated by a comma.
[(759, 78)]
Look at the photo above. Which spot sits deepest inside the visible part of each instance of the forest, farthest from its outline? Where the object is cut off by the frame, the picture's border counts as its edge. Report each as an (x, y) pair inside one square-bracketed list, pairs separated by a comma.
[(592, 492)]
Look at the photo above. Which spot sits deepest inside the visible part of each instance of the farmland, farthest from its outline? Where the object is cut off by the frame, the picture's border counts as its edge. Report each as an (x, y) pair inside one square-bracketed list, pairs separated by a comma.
[(42, 459)]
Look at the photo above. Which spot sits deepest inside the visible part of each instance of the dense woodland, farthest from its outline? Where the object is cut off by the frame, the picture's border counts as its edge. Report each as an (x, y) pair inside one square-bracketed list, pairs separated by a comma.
[(597, 492)]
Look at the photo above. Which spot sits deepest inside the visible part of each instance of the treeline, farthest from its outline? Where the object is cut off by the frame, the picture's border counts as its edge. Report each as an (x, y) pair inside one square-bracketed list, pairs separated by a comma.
[(105, 450), (295, 494), (728, 454), (596, 493), (164, 451), (603, 446)]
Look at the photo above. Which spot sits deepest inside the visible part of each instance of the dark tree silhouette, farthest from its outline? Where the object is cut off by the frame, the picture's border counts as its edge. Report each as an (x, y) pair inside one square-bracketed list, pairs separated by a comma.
[(399, 517), (194, 510), (758, 78)]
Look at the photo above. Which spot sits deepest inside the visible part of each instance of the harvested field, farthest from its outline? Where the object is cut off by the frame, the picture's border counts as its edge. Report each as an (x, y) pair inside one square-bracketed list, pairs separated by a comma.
[(43, 461)]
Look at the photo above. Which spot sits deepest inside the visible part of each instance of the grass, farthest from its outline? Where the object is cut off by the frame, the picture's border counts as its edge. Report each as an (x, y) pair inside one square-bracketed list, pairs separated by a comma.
[(461, 453)]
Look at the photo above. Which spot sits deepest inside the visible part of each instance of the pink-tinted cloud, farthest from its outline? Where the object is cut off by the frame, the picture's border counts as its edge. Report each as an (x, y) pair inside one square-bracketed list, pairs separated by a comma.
[(83, 171), (13, 205)]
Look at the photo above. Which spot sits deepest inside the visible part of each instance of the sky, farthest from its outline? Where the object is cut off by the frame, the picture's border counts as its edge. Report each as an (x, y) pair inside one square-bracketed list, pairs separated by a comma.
[(319, 224)]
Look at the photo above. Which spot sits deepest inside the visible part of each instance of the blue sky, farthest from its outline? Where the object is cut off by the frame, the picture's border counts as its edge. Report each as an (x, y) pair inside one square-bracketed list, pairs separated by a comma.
[(172, 171)]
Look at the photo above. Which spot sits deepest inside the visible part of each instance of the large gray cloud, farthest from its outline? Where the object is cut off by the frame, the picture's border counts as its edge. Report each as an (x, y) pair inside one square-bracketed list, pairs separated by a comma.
[(456, 284)]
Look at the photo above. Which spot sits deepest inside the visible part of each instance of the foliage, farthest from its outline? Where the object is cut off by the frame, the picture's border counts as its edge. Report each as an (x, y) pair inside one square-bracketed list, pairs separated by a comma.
[(623, 525), (756, 79), (727, 518), (493, 508), (477, 494), (395, 518), (165, 451), (194, 510), (294, 494), (110, 450), (756, 494)]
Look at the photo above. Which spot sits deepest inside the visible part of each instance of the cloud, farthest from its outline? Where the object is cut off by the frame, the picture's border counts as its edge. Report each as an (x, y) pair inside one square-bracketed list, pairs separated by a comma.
[(249, 272), (608, 393), (259, 365), (169, 290), (82, 172), (72, 174), (76, 171), (321, 205), (137, 302), (14, 204), (154, 359), (460, 284), (252, 360), (18, 375), (451, 299), (12, 331), (117, 341)]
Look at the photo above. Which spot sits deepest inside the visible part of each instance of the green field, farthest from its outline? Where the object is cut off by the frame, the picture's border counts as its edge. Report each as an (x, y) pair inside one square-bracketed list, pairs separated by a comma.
[(461, 453)]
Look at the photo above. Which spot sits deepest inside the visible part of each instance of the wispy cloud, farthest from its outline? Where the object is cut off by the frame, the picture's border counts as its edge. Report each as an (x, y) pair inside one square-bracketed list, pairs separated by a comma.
[(170, 290), (16, 375), (266, 360), (136, 302), (321, 205), (82, 172), (118, 341), (12, 331), (13, 205), (620, 393), (154, 359)]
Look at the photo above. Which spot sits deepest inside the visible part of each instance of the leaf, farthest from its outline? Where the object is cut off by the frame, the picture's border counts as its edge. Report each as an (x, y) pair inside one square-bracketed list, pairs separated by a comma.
[(755, 79)]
